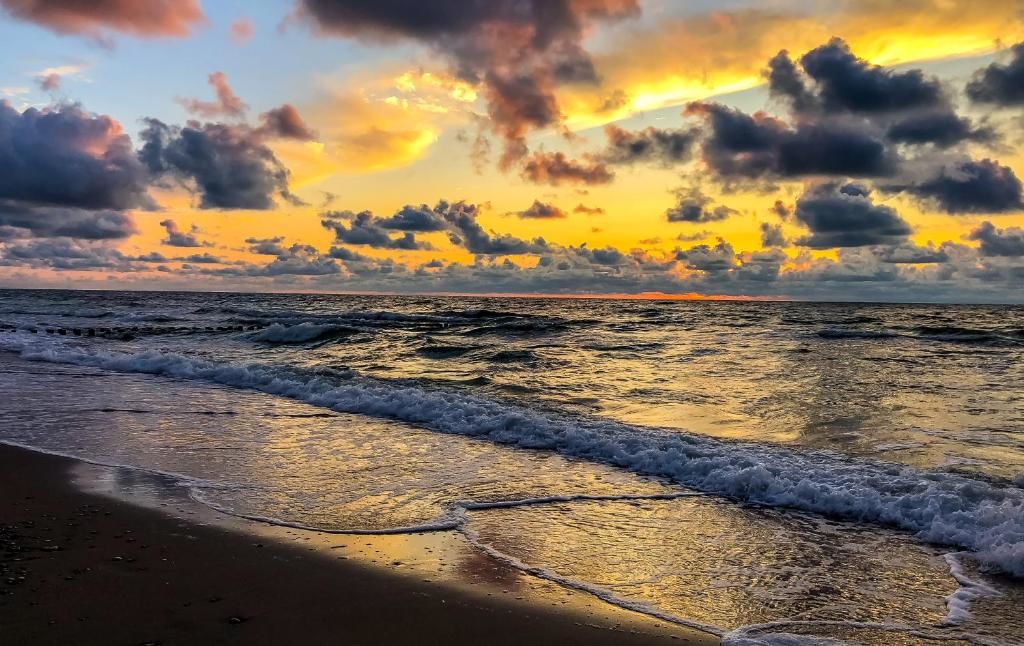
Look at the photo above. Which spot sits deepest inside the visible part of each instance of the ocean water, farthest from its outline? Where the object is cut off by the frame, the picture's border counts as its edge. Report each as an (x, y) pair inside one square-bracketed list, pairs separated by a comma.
[(772, 472)]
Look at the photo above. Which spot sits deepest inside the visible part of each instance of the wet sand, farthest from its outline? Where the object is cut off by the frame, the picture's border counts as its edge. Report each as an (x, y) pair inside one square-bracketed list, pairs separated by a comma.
[(78, 567)]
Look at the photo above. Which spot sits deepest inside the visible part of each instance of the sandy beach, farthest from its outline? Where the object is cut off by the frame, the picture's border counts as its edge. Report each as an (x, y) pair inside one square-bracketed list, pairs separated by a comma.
[(82, 568)]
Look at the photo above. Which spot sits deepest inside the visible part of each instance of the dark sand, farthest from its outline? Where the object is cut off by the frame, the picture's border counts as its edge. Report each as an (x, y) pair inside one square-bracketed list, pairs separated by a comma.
[(79, 568)]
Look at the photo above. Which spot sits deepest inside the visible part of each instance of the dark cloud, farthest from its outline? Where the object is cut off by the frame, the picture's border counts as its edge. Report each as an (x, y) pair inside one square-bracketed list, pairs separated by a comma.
[(201, 259), (467, 232), (972, 187), (458, 219), (785, 81), (557, 169), (693, 237), (760, 266), (694, 206), (650, 145), (780, 209), (145, 18), (66, 157), (998, 242), (588, 210), (363, 229), (772, 236), (542, 211), (1000, 84), (266, 246), (229, 165), (178, 238), (518, 51), (65, 254), (844, 215), (420, 218), (754, 146), (516, 105), (20, 221), (285, 122), (844, 82), (607, 256), (943, 129), (911, 254), (720, 257), (342, 253), (297, 260), (227, 103)]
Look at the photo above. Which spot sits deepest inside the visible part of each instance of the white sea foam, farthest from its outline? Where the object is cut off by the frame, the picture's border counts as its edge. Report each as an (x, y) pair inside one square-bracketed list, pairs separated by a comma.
[(301, 333), (937, 507), (958, 604)]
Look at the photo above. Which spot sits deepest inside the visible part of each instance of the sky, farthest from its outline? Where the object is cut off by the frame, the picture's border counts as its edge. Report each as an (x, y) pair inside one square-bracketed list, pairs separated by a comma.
[(781, 149)]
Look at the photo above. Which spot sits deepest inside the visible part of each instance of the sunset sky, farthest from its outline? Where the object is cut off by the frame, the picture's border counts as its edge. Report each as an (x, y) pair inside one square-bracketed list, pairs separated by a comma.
[(837, 150)]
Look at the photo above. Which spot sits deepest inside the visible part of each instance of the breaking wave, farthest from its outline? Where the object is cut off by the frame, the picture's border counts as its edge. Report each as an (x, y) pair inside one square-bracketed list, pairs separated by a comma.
[(302, 333), (940, 508), (942, 333)]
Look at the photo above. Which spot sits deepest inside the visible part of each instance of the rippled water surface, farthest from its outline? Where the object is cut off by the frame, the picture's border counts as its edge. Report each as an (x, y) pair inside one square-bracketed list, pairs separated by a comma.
[(827, 466)]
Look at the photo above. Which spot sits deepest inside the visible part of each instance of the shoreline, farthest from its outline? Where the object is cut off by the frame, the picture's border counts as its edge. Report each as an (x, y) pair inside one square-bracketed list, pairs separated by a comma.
[(94, 555)]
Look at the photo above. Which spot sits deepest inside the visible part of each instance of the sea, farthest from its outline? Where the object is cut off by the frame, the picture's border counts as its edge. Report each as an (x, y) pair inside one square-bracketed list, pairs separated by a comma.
[(772, 472)]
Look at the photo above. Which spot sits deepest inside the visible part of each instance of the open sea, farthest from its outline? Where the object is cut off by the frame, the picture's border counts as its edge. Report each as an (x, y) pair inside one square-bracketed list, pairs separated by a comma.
[(775, 473)]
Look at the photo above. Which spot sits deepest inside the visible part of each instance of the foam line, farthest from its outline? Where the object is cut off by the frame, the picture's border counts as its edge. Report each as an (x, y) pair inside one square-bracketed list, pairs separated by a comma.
[(958, 604), (941, 508)]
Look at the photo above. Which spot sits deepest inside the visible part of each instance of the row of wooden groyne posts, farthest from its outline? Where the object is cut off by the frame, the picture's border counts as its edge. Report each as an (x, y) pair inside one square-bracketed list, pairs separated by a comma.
[(125, 333)]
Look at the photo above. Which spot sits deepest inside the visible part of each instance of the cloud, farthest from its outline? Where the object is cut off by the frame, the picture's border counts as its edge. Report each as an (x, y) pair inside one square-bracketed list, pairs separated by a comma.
[(693, 51), (17, 220), (542, 211), (982, 186), (943, 129), (694, 206), (420, 218), (227, 104), (842, 82), (998, 242), (64, 156), (781, 210), (50, 82), (650, 145), (588, 210), (229, 165), (299, 260), (65, 254), (720, 257), (518, 51), (848, 118), (241, 31), (754, 146), (384, 126), (458, 219), (178, 238), (96, 18), (911, 254), (296, 260), (285, 122), (556, 169), (843, 215), (467, 232), (772, 236), (1000, 84), (201, 259), (363, 229), (266, 246)]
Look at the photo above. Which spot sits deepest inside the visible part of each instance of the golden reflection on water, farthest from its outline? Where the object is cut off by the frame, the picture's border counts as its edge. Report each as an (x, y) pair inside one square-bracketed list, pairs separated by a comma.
[(731, 566)]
